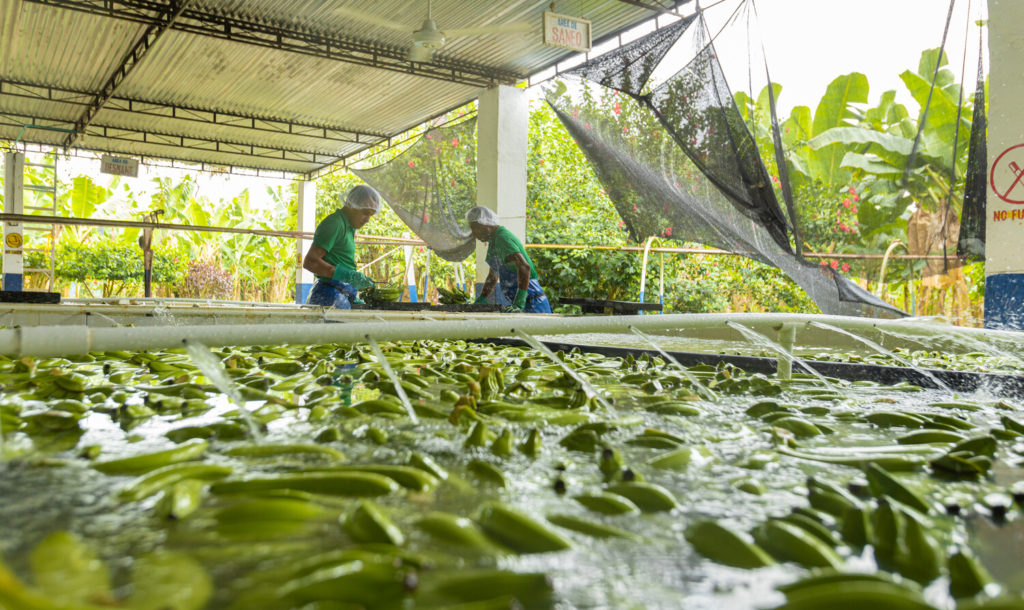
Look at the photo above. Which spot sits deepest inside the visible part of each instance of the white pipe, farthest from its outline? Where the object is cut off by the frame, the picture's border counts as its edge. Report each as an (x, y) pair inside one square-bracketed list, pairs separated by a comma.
[(68, 340)]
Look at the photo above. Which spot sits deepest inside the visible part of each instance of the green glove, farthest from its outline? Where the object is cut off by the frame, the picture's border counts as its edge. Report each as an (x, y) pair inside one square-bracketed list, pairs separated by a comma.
[(520, 301), (357, 301), (357, 280), (480, 300)]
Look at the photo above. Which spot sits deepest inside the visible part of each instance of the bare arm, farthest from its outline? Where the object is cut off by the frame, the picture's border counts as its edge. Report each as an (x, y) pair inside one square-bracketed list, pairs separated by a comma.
[(522, 269), (489, 284), (314, 262)]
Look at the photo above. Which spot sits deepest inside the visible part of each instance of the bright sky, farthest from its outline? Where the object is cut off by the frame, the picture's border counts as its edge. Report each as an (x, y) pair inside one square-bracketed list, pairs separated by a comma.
[(810, 42)]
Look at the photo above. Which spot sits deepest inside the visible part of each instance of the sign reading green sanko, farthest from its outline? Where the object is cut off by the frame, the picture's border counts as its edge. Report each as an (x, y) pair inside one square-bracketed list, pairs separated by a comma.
[(119, 166), (566, 32)]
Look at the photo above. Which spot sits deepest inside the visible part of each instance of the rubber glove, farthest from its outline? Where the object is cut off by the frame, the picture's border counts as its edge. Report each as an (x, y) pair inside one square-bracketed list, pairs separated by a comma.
[(352, 277), (520, 301), (357, 301), (480, 300)]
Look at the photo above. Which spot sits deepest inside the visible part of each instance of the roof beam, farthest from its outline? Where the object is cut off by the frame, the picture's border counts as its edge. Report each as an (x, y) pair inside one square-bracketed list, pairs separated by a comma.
[(163, 20), (306, 42), (653, 5), (199, 144), (249, 122)]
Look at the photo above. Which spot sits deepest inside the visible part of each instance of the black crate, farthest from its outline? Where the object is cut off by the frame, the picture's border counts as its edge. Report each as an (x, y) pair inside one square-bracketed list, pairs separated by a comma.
[(17, 296)]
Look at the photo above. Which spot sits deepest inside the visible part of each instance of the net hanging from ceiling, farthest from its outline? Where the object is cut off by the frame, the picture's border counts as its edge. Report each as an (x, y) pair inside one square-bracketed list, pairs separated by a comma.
[(432, 185), (677, 160)]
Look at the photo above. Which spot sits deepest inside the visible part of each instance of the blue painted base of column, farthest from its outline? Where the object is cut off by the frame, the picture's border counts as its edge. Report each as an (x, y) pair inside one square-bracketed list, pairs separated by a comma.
[(412, 294), (302, 293), (1004, 301), (13, 282)]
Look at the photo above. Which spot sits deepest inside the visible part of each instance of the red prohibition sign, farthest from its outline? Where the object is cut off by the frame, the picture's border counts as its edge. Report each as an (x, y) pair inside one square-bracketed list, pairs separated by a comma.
[(1006, 190)]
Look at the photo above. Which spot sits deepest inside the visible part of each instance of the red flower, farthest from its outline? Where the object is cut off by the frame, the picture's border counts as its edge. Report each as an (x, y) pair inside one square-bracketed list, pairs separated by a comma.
[(634, 207), (622, 223), (846, 203), (587, 125), (455, 141), (412, 164), (625, 129), (856, 197), (617, 108), (834, 264), (575, 113), (668, 232), (428, 136), (845, 268), (843, 227), (426, 217), (453, 182), (823, 263), (656, 133), (854, 210), (853, 191)]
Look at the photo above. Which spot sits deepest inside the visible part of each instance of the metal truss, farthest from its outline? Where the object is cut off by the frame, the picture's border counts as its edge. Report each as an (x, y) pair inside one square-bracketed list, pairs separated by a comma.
[(179, 143), (655, 5), (328, 134), (306, 42), (164, 20)]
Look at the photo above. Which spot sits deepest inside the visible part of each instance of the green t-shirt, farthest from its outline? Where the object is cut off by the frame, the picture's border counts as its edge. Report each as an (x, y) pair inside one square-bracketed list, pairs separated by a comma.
[(504, 243), (337, 235)]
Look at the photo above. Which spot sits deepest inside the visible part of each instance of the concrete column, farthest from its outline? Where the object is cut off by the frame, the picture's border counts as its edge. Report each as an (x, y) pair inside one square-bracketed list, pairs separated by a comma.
[(1004, 229), (305, 222), (502, 134), (14, 176)]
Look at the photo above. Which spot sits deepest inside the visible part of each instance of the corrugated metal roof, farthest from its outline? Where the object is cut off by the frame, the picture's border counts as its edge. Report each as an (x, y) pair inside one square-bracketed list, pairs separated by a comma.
[(288, 86)]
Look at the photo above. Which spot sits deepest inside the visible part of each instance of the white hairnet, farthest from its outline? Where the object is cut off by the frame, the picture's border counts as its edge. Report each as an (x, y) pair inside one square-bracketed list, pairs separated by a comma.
[(363, 197), (482, 216)]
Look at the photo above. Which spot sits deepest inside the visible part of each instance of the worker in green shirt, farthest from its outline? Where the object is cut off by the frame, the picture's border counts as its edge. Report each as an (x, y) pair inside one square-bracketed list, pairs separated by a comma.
[(510, 264), (332, 257)]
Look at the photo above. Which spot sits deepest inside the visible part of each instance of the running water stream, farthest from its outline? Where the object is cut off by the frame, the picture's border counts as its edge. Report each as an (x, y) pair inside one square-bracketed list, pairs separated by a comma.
[(704, 390), (587, 387), (760, 339), (394, 378), (214, 371), (878, 348), (961, 340)]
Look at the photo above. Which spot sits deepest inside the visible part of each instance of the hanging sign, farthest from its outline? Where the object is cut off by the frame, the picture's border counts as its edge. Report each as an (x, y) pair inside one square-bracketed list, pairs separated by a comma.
[(119, 166), (566, 32)]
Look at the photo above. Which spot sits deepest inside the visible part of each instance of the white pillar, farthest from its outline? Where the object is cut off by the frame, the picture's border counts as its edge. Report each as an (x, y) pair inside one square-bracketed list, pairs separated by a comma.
[(502, 126), (1004, 228), (305, 221), (14, 176)]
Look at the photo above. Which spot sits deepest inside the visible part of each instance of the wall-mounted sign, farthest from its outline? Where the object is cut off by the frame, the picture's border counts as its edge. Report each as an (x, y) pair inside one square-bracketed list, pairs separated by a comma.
[(119, 166), (566, 32)]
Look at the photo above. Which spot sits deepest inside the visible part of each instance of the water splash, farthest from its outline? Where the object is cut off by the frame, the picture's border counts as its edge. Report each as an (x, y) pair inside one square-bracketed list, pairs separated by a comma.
[(760, 339), (394, 378), (112, 321), (878, 348), (704, 390), (214, 371), (587, 387), (957, 339)]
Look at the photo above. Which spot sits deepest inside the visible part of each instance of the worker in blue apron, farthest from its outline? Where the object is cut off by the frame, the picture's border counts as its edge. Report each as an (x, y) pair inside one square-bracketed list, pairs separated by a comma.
[(332, 257), (510, 265)]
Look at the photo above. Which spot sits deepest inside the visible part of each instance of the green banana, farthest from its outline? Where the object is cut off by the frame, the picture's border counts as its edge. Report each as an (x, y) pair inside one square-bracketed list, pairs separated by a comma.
[(362, 484), (518, 531), (590, 528), (277, 449), (459, 531), (367, 523), (882, 483), (648, 497), (608, 503), (967, 577), (726, 546), (139, 464), (789, 542), (181, 499)]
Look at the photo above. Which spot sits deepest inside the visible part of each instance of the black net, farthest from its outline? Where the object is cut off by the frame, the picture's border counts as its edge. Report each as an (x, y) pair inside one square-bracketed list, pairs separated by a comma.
[(432, 185), (677, 161), (971, 243)]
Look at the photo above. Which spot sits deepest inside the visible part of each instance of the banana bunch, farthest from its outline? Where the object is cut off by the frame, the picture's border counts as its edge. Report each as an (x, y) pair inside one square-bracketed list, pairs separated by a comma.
[(452, 297), (375, 295)]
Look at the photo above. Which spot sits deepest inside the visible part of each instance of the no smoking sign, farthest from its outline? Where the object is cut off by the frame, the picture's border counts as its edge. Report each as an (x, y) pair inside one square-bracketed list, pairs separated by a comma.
[(1007, 175)]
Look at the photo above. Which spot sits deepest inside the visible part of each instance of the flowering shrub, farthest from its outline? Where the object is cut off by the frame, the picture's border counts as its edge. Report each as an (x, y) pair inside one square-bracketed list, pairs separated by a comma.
[(205, 281)]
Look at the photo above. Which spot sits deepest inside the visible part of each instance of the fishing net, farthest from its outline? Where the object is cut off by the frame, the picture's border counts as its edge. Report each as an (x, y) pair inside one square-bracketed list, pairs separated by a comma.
[(677, 160), (971, 243), (432, 185)]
